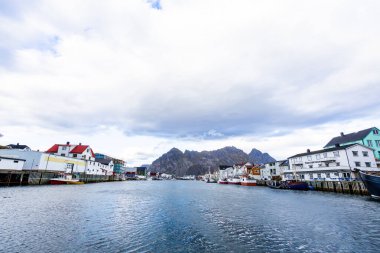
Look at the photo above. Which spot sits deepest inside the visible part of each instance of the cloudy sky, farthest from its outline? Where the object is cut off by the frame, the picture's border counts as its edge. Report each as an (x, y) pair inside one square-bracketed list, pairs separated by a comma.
[(134, 78)]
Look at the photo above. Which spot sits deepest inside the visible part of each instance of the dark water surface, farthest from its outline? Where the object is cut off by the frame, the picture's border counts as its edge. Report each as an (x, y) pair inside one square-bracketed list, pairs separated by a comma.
[(184, 216)]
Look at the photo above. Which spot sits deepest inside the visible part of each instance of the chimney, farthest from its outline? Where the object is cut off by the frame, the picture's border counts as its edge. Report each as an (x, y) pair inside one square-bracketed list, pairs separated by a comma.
[(308, 150), (68, 143), (80, 143), (18, 144), (341, 134)]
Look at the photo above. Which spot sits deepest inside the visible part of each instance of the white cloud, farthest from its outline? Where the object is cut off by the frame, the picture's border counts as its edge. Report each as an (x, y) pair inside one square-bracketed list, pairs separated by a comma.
[(261, 70)]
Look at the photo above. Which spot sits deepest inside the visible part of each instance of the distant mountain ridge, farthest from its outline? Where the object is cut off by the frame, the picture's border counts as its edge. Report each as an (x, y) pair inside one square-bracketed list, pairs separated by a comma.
[(181, 163)]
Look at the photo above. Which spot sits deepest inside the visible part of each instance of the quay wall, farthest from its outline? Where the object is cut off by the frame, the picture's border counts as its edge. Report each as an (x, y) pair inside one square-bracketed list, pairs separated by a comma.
[(346, 187), (16, 178)]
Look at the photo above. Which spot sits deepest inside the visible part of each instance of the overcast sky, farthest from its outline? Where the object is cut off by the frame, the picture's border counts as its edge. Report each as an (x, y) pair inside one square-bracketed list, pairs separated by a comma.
[(134, 78)]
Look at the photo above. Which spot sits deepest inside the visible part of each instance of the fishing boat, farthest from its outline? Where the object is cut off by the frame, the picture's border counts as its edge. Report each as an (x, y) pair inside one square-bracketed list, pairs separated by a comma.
[(290, 185), (247, 181), (372, 182), (222, 181), (234, 180), (65, 179)]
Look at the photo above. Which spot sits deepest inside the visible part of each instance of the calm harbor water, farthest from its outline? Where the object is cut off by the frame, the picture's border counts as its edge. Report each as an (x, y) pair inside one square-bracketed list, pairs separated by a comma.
[(184, 216)]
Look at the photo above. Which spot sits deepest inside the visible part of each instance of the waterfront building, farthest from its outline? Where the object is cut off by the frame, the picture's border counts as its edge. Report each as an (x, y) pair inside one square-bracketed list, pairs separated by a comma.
[(48, 162), (272, 170), (368, 137), (75, 151), (10, 164), (119, 166), (130, 172), (331, 164), (18, 146)]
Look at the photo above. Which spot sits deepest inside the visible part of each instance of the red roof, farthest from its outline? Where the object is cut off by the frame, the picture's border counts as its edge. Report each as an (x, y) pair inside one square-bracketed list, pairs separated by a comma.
[(53, 149), (79, 149)]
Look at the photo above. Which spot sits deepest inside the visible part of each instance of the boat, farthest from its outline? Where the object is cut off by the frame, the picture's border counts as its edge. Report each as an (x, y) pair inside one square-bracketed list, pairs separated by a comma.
[(290, 185), (222, 181), (65, 179), (372, 182), (234, 180), (247, 181)]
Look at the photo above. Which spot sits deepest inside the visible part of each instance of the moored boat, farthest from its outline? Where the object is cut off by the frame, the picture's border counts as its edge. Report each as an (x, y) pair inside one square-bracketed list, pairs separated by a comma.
[(372, 182), (247, 181), (222, 181), (65, 179), (234, 180)]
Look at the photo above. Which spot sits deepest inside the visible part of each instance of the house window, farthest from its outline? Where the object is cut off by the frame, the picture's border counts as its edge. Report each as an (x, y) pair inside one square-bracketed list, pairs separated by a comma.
[(336, 153), (324, 155), (310, 166), (338, 164), (319, 164), (309, 157), (311, 175), (74, 155), (357, 164), (365, 153), (375, 131), (327, 175), (369, 142), (336, 174), (319, 175), (377, 143), (63, 147), (368, 164), (327, 164), (355, 153), (62, 154), (318, 156), (15, 161)]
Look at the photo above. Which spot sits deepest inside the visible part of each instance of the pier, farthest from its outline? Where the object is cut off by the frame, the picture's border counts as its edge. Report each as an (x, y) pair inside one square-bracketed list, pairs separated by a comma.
[(346, 187)]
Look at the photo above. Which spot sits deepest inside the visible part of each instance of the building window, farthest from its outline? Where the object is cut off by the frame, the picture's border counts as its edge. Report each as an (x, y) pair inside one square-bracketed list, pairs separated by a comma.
[(311, 175), (375, 131), (62, 154), (327, 164), (357, 164), (319, 175), (327, 175), (324, 155), (338, 164), (63, 147), (377, 143), (365, 153), (355, 153), (368, 164), (309, 158), (15, 161), (74, 155), (336, 153), (369, 142), (318, 156), (319, 164)]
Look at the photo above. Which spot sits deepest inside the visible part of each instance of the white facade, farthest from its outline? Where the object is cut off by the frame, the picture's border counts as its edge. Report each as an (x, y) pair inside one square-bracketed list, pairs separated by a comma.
[(66, 150), (271, 170), (331, 164), (11, 164), (38, 161)]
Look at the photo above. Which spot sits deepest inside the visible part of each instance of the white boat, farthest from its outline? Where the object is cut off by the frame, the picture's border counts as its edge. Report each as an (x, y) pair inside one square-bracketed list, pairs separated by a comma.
[(247, 181), (65, 179), (233, 180)]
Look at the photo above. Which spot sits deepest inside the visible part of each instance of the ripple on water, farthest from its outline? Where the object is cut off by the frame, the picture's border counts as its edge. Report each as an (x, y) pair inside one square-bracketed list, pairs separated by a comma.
[(184, 217)]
